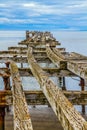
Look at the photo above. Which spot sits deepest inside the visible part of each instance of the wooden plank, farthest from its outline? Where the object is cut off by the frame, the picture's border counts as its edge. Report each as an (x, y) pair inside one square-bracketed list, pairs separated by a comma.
[(22, 120), (70, 119)]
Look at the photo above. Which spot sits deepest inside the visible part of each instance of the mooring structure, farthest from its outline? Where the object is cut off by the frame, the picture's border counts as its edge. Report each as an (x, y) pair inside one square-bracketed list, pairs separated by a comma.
[(42, 48)]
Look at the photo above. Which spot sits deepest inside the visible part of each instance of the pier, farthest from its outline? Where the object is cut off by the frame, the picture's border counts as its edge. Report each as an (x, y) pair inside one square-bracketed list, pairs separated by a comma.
[(52, 106)]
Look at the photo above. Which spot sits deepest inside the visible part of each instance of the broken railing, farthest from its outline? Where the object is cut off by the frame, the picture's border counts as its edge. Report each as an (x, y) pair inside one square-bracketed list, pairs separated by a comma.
[(22, 120), (78, 67), (70, 119)]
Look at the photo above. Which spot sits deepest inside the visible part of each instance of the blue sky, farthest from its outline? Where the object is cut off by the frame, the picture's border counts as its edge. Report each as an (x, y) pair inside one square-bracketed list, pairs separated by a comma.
[(43, 15)]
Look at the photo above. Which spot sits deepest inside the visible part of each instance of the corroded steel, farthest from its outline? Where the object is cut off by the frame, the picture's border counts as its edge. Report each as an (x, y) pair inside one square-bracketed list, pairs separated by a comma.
[(2, 117), (22, 120), (68, 116)]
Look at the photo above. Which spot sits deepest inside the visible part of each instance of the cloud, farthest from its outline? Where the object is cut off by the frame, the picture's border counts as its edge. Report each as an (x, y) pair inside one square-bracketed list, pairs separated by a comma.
[(68, 13), (3, 5)]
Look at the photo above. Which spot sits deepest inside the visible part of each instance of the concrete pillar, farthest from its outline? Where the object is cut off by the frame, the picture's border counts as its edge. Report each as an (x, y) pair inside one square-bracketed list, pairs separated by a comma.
[(2, 116)]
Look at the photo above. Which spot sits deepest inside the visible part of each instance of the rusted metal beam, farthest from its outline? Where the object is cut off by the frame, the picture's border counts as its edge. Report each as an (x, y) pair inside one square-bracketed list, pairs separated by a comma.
[(78, 56), (22, 120), (2, 117), (70, 119)]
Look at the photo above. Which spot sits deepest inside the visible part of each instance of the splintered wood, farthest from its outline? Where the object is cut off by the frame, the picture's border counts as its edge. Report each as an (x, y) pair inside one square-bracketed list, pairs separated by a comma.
[(70, 119), (42, 47), (22, 120)]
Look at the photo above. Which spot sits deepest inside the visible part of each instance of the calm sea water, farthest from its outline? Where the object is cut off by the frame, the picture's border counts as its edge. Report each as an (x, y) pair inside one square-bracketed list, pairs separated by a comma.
[(72, 41)]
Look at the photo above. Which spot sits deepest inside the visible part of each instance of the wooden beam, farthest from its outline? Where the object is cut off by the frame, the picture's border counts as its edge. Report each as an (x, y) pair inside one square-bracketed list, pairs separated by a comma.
[(27, 72), (58, 61), (22, 120), (78, 56), (78, 68), (70, 119), (37, 97), (24, 49), (20, 59)]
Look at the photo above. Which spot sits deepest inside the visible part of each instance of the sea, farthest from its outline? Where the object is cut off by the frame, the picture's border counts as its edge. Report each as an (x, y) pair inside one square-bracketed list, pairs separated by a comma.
[(73, 41)]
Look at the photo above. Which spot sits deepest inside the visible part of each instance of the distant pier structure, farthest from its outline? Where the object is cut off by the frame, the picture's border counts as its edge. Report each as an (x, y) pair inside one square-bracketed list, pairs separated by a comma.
[(42, 48)]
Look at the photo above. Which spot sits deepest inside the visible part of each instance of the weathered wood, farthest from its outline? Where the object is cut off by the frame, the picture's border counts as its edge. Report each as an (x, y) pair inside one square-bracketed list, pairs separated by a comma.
[(79, 68), (39, 38), (40, 59), (22, 120), (27, 72), (58, 61), (2, 117), (20, 48), (38, 98), (58, 53), (77, 55), (3, 101), (70, 119)]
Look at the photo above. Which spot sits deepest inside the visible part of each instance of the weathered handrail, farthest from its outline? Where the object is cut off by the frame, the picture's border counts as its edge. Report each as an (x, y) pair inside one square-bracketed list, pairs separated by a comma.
[(58, 61), (65, 111), (22, 120)]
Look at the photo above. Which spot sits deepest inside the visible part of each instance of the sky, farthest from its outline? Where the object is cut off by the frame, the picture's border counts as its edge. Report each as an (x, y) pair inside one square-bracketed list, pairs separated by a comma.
[(41, 15)]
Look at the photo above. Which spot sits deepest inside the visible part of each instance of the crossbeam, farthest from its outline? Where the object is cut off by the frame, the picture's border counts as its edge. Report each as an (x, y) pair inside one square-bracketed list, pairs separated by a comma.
[(23, 59), (5, 72), (70, 119), (38, 98)]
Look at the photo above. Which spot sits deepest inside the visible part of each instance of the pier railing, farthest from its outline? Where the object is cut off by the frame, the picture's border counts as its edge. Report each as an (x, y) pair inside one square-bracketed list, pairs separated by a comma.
[(22, 120)]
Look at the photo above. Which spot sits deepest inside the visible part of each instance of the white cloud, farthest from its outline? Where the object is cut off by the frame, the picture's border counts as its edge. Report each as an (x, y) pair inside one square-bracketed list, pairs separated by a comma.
[(3, 5), (43, 12), (55, 9), (4, 20)]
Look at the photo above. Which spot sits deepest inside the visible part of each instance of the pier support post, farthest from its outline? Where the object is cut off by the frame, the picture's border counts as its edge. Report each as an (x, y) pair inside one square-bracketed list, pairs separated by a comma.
[(27, 35), (64, 84), (82, 84), (7, 84), (2, 115), (60, 81)]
